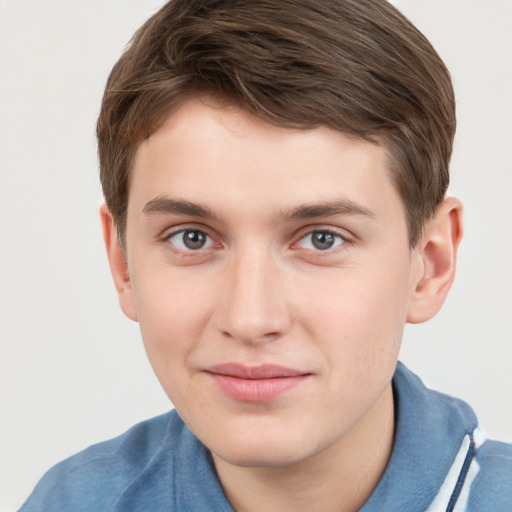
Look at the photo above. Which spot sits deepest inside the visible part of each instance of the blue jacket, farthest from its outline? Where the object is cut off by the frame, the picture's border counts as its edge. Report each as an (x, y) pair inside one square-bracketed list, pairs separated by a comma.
[(441, 461)]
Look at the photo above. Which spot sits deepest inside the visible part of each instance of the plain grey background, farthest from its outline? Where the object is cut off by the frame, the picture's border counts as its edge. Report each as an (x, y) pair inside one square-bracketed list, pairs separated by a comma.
[(72, 368)]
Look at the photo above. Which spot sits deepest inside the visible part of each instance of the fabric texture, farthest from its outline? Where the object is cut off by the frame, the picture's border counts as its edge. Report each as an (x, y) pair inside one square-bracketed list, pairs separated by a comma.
[(441, 462)]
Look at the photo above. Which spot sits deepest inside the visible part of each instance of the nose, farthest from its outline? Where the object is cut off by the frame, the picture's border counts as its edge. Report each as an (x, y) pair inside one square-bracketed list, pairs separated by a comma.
[(253, 307)]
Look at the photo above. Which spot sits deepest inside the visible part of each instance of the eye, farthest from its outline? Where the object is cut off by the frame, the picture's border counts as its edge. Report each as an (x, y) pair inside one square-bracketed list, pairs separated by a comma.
[(190, 240), (321, 241)]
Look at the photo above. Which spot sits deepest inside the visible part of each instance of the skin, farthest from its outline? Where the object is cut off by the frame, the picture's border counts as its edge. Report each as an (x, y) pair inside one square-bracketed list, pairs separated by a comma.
[(260, 291)]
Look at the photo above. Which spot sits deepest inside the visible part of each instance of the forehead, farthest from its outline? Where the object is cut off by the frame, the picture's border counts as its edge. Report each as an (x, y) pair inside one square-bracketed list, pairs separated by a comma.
[(225, 157)]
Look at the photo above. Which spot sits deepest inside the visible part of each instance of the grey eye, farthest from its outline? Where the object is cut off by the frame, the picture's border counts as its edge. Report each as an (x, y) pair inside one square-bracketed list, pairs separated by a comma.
[(190, 240), (321, 241)]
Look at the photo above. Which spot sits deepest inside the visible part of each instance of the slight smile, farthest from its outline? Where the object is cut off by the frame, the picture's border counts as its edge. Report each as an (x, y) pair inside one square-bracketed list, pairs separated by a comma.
[(255, 383)]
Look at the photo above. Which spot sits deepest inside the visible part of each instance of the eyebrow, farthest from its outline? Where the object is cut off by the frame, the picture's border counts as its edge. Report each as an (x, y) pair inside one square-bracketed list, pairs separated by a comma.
[(327, 209), (166, 205), (170, 206)]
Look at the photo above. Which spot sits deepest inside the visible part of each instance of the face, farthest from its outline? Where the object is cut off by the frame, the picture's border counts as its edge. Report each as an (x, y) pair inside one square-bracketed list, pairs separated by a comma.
[(270, 272)]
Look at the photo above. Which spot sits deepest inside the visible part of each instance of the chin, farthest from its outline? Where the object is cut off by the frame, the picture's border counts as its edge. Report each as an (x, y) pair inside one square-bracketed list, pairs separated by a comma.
[(262, 450), (259, 458)]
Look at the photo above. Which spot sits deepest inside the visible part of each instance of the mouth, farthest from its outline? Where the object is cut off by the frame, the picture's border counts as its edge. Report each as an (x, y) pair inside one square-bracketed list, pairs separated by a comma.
[(261, 383)]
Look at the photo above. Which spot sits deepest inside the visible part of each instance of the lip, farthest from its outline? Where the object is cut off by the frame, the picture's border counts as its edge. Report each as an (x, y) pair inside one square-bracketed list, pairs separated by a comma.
[(260, 383)]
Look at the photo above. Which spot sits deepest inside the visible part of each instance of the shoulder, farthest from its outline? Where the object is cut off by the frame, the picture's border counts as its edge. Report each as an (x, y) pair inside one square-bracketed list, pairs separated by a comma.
[(492, 487), (448, 457), (95, 477)]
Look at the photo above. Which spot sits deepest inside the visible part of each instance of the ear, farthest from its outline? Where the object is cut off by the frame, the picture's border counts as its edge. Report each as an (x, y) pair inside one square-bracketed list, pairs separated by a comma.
[(437, 255), (118, 264)]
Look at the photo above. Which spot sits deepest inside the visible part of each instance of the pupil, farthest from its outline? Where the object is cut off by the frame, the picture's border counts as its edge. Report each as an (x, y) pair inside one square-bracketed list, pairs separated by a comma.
[(194, 239), (322, 240)]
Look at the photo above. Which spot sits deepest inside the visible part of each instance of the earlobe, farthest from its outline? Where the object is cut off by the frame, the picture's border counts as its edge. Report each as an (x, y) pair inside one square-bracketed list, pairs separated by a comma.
[(437, 253), (118, 265)]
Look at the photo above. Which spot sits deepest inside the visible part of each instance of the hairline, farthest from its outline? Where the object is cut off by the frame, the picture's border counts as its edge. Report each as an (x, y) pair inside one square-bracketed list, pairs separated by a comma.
[(214, 99)]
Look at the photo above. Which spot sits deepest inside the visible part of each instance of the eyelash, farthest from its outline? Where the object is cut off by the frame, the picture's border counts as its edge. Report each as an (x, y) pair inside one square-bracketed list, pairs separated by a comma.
[(342, 239), (187, 252)]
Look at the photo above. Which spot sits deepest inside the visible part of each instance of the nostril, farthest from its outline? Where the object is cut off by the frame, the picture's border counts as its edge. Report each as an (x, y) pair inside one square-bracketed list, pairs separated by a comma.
[(248, 338)]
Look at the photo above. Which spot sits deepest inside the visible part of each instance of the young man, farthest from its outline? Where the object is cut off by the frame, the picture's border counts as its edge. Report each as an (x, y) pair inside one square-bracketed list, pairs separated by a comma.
[(275, 177)]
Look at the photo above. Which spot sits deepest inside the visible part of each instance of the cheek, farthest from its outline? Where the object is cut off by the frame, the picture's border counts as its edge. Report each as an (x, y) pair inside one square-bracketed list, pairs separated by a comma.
[(170, 303), (172, 314), (359, 318)]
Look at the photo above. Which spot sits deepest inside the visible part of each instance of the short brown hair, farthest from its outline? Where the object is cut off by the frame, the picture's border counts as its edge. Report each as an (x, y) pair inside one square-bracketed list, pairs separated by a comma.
[(357, 66)]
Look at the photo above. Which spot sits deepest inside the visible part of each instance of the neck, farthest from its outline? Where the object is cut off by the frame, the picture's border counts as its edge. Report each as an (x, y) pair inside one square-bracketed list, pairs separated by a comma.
[(338, 478)]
